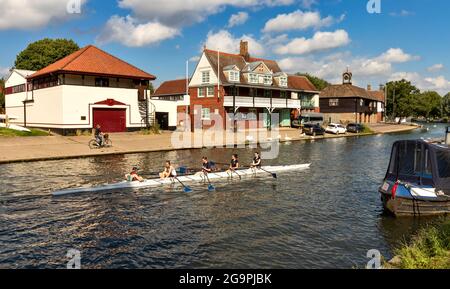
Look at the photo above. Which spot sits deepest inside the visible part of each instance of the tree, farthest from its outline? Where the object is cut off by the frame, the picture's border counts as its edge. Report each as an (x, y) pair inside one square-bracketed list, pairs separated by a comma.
[(427, 104), (401, 96), (446, 106), (319, 83), (44, 52)]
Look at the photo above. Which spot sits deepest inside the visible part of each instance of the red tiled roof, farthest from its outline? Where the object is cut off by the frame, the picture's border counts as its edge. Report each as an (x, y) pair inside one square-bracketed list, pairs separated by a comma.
[(300, 83), (378, 95), (171, 87), (348, 91), (92, 60), (227, 59)]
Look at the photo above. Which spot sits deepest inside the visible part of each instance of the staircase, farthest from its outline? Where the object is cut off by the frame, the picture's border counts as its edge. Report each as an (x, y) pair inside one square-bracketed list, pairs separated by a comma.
[(151, 113)]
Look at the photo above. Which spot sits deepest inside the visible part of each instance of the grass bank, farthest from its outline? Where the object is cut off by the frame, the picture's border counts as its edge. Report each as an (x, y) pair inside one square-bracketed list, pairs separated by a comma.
[(12, 133), (429, 249)]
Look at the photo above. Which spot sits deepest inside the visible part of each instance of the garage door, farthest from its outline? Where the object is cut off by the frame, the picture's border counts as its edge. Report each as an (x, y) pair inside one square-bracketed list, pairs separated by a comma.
[(111, 120)]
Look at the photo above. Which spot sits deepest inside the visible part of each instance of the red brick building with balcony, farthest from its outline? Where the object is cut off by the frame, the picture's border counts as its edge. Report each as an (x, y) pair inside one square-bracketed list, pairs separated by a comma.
[(240, 87)]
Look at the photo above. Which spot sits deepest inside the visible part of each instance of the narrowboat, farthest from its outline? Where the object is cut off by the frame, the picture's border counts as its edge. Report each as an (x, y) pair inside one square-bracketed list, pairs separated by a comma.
[(417, 182)]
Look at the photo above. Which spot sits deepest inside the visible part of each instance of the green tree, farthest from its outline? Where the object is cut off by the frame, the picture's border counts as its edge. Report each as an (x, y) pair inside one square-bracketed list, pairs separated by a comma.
[(319, 83), (446, 106), (427, 104), (2, 93), (44, 52), (401, 98)]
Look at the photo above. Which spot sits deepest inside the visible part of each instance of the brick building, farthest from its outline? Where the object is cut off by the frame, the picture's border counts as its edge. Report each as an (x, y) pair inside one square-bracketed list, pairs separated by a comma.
[(240, 87), (349, 103)]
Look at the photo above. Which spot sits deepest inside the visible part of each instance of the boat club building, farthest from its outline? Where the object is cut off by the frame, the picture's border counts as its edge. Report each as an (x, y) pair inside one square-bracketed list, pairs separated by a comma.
[(86, 88), (349, 103), (238, 86)]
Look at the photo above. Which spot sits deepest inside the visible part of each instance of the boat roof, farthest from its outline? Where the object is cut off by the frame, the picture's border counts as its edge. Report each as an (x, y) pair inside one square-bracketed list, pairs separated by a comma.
[(421, 162)]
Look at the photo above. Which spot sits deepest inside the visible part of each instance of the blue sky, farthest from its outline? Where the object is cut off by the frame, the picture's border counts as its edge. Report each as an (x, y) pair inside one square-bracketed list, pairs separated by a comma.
[(408, 39)]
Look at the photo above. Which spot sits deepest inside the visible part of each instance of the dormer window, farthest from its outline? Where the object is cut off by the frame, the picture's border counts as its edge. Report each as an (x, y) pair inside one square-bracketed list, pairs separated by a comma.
[(253, 78), (268, 80), (283, 81), (234, 76)]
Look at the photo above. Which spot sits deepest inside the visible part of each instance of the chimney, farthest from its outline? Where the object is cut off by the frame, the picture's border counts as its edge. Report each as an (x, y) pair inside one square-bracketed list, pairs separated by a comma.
[(369, 87), (244, 50)]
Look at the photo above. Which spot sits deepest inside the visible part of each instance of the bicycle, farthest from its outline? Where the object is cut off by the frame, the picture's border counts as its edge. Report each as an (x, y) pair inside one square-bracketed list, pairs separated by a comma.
[(107, 143)]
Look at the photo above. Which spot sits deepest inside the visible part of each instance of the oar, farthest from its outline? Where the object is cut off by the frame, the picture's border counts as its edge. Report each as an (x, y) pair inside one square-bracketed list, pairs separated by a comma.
[(273, 174), (186, 188), (233, 171), (210, 186)]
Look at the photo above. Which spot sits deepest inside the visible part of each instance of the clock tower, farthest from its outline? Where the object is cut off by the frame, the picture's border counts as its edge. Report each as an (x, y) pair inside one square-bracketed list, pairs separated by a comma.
[(347, 77)]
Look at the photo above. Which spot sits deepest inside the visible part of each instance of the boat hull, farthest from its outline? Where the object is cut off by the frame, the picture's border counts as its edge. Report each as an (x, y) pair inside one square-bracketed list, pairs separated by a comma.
[(402, 207), (185, 179)]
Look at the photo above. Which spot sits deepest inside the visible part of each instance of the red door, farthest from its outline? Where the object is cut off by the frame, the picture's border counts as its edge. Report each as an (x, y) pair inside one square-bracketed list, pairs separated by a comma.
[(111, 120)]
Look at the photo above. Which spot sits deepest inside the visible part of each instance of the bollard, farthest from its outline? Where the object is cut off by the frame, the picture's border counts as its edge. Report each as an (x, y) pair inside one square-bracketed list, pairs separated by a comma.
[(447, 136)]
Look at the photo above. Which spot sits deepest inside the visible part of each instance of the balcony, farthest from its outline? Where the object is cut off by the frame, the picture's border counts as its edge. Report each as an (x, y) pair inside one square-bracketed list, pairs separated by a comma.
[(261, 102), (308, 104)]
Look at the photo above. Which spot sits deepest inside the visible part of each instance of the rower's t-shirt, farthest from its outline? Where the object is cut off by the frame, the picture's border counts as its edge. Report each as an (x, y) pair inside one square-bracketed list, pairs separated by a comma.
[(207, 166), (98, 132), (234, 163), (257, 160)]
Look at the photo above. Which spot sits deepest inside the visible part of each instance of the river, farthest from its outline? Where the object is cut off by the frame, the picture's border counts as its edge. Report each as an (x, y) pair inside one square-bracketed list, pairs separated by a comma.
[(326, 217)]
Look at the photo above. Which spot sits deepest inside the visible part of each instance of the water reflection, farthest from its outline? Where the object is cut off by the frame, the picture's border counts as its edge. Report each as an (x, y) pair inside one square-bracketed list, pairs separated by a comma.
[(325, 217)]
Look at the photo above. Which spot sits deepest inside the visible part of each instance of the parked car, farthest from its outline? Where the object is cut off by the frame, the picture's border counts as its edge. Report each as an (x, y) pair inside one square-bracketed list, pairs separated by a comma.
[(308, 118), (355, 128), (336, 129), (313, 129)]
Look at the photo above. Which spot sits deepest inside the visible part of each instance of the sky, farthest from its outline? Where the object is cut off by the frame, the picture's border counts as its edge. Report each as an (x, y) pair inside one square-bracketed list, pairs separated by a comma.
[(378, 40)]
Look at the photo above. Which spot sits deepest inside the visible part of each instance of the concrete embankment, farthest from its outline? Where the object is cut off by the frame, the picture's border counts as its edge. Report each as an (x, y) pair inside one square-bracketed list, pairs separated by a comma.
[(21, 149)]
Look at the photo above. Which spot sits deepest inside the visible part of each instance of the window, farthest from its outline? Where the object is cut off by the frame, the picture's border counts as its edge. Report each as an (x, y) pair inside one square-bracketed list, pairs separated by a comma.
[(283, 81), (205, 77), (283, 94), (334, 102), (211, 91), (234, 76), (201, 92), (268, 80), (253, 92), (206, 114), (268, 93), (102, 82), (253, 78)]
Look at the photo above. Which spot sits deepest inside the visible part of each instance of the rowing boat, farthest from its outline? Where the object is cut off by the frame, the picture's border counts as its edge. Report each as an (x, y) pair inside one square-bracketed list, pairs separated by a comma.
[(191, 178)]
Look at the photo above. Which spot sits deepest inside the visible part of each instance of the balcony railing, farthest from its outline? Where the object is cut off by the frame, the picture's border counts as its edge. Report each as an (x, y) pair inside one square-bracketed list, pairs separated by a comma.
[(261, 102)]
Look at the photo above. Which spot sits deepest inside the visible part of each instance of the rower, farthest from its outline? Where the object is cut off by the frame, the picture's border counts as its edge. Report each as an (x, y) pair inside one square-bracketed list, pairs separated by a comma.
[(134, 176), (206, 167), (169, 171), (256, 164), (234, 164)]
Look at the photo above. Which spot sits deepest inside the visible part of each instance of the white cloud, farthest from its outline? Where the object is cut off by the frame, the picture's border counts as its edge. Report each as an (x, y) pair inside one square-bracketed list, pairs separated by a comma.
[(439, 84), (402, 13), (238, 19), (223, 40), (396, 55), (181, 12), (30, 14), (127, 31), (436, 67), (307, 3), (320, 41), (194, 59), (299, 20)]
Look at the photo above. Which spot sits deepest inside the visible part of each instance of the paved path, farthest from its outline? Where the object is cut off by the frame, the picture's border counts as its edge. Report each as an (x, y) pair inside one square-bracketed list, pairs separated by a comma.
[(20, 149)]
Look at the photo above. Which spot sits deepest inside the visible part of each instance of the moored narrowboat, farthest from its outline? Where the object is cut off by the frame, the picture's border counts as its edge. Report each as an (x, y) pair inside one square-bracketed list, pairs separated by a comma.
[(417, 182)]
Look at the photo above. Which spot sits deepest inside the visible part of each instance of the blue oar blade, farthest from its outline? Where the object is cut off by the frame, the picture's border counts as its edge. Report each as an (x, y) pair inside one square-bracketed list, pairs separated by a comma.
[(211, 188), (187, 190), (274, 176)]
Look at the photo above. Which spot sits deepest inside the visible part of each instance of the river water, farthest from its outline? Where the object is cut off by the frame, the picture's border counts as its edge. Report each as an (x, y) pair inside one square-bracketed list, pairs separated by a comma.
[(326, 217)]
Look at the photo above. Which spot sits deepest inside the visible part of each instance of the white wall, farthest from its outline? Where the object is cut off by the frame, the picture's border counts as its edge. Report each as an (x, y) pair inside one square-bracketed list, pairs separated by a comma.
[(78, 101), (171, 107), (45, 111), (203, 65)]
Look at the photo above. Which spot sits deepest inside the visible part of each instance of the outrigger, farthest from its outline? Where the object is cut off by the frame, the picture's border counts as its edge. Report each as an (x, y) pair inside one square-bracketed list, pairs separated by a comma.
[(182, 179)]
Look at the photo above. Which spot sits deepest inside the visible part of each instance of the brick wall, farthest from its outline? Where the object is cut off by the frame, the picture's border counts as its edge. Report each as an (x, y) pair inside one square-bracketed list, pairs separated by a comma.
[(215, 104)]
